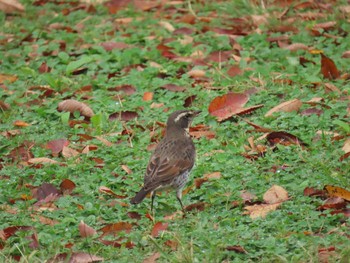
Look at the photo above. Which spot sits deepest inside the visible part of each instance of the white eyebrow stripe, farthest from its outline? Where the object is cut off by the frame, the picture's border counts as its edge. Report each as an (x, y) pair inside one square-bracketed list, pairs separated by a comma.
[(180, 116)]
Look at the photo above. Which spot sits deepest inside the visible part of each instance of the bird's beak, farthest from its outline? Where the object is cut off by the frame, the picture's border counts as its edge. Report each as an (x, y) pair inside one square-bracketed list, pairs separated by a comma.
[(196, 113)]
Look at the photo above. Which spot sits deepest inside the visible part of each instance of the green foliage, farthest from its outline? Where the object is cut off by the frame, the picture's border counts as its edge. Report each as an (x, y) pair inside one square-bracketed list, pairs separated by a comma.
[(67, 39)]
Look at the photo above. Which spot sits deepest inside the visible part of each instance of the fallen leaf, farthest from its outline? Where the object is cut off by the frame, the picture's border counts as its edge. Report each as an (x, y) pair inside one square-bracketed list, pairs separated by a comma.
[(19, 123), (247, 196), (82, 257), (256, 211), (85, 230), (237, 249), (234, 71), (152, 258), (328, 68), (346, 146), (333, 203), (45, 190), (115, 228), (173, 87), (287, 106), (148, 96), (338, 192), (10, 7), (224, 107), (196, 73), (284, 138), (73, 106), (106, 190), (276, 194), (56, 146), (123, 116), (68, 152), (110, 45), (296, 47), (67, 186), (158, 228), (42, 160)]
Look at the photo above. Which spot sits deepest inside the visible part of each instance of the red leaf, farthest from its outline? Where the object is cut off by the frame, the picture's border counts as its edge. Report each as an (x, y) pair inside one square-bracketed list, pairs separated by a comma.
[(234, 71), (67, 186), (10, 231), (110, 45), (224, 107), (158, 227), (116, 227), (237, 249), (56, 146), (189, 100), (283, 138), (45, 190), (328, 68), (124, 115)]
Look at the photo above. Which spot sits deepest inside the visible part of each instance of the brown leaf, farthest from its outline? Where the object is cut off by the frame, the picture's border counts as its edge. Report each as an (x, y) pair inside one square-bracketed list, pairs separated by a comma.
[(173, 87), (338, 192), (247, 196), (237, 249), (82, 257), (134, 215), (196, 73), (114, 6), (158, 228), (234, 71), (287, 106), (45, 190), (224, 107), (56, 146), (11, 6), (19, 123), (4, 106), (328, 68), (152, 258), (256, 211), (106, 190), (284, 138), (67, 186), (189, 100), (74, 105), (110, 45), (346, 146), (85, 230), (68, 152), (22, 152), (200, 206), (276, 194), (45, 220), (310, 191), (325, 25), (115, 228), (123, 116), (10, 231), (296, 47), (42, 160), (333, 203), (148, 96)]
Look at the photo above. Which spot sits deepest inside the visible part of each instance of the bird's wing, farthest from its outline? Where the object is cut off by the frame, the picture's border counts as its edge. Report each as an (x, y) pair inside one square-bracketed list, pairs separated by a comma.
[(161, 171)]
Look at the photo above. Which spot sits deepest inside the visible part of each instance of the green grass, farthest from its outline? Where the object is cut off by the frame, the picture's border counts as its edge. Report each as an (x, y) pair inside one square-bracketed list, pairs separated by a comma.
[(293, 233)]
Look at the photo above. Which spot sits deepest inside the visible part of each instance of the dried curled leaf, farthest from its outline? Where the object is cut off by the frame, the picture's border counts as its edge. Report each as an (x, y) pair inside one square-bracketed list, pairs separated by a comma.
[(287, 106), (74, 105), (276, 194)]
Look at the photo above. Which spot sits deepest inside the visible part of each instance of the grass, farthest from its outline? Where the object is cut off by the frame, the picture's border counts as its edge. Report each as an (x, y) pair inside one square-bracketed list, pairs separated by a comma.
[(293, 233)]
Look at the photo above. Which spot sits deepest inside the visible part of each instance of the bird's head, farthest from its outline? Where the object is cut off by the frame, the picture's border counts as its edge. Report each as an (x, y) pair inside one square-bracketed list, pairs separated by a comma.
[(181, 119)]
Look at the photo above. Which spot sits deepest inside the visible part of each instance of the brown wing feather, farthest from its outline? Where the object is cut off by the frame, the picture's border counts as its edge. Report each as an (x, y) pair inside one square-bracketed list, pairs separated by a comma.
[(162, 170)]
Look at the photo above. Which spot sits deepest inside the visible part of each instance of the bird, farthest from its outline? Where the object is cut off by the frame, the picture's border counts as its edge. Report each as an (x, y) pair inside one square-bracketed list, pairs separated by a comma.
[(170, 164)]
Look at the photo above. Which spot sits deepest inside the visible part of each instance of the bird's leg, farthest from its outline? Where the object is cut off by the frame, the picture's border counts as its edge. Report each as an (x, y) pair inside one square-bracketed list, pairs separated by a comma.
[(153, 196), (179, 196)]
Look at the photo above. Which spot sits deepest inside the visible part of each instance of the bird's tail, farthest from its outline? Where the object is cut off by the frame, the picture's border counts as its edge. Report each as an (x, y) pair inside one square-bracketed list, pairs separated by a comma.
[(139, 197)]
